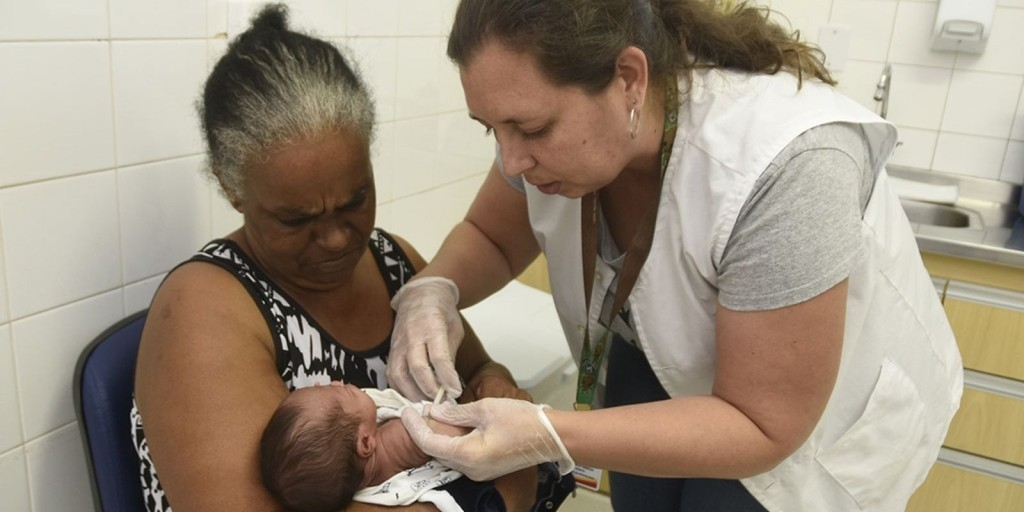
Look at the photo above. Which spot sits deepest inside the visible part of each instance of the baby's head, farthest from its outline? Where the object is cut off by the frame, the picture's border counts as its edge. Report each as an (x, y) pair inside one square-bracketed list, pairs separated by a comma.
[(315, 447)]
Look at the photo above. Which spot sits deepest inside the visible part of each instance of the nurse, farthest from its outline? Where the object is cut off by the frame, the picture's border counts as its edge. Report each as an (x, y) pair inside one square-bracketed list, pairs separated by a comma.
[(754, 326)]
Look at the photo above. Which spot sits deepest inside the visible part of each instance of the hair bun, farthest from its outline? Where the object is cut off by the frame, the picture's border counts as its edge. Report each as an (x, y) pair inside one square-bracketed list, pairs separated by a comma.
[(271, 17)]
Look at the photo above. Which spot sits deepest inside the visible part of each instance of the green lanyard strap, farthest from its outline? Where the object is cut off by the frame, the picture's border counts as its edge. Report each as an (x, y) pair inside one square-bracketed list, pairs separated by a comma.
[(592, 358)]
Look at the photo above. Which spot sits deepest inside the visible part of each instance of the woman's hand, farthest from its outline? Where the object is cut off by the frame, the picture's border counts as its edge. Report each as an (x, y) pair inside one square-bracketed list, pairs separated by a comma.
[(427, 334), (508, 435), (492, 380)]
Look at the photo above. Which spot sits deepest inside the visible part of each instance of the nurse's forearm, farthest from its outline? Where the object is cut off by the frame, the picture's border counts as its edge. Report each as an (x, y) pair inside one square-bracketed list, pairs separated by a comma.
[(698, 436)]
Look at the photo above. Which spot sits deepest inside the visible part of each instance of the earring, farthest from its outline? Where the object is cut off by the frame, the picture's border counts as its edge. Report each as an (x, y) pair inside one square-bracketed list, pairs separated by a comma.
[(634, 121)]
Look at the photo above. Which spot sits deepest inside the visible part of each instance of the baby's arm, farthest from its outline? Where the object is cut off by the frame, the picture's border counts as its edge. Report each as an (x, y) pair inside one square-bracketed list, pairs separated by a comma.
[(446, 429)]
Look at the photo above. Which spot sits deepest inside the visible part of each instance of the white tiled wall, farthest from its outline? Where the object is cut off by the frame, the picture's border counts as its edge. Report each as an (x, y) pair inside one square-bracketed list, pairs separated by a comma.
[(959, 113), (100, 151)]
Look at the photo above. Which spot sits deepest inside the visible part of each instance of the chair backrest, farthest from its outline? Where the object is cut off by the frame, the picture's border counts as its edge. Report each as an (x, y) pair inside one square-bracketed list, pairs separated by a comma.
[(104, 380)]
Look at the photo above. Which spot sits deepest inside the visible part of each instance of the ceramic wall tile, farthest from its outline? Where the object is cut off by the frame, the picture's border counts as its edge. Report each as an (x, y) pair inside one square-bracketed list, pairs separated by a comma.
[(969, 154), (46, 349), (425, 219), (5, 313), (912, 36), (154, 123), (14, 481), (49, 129), (451, 97), (858, 81), (871, 23), (165, 215), (421, 18), (416, 156), (321, 18), (216, 17), (53, 19), (1013, 164), (377, 59), (918, 95), (916, 148), (458, 135), (56, 466), (416, 172), (215, 49), (977, 103), (384, 163), (60, 240), (447, 14), (372, 17), (1003, 51), (418, 76), (131, 19), (138, 295), (461, 168), (224, 217), (384, 217), (807, 16), (10, 411), (1017, 133)]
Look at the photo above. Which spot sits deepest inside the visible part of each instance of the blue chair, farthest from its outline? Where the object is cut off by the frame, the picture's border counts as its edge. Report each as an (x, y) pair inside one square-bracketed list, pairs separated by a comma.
[(104, 380)]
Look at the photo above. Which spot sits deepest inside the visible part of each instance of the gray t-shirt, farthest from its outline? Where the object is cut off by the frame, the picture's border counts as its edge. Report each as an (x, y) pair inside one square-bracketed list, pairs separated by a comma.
[(798, 233)]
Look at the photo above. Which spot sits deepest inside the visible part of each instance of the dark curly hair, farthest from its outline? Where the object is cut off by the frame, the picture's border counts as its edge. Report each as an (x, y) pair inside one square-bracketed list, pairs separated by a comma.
[(309, 462)]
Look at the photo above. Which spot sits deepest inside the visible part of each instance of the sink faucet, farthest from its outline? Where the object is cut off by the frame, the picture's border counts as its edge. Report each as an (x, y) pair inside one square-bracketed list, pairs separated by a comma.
[(882, 89)]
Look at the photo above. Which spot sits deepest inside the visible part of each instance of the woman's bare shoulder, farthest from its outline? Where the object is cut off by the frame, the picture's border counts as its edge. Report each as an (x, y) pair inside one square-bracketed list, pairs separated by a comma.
[(200, 312)]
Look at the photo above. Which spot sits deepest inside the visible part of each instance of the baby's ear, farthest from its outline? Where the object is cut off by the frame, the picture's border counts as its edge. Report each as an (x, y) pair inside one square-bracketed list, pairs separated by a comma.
[(365, 444)]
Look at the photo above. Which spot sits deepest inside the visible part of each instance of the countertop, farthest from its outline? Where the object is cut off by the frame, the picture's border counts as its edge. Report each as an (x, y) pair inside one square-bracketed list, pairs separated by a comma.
[(996, 230)]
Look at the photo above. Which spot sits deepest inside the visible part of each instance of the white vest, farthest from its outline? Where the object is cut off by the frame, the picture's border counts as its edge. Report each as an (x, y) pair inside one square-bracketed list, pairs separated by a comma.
[(900, 378)]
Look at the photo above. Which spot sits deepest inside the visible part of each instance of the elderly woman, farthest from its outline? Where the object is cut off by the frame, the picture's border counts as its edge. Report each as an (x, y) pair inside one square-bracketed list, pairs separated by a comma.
[(298, 296)]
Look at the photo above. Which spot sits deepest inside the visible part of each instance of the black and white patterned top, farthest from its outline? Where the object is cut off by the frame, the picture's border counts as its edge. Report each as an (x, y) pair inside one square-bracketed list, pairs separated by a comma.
[(306, 354)]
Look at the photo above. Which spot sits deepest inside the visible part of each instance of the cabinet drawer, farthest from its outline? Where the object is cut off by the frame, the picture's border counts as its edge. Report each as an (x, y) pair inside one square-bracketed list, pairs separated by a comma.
[(951, 489), (989, 425), (989, 329)]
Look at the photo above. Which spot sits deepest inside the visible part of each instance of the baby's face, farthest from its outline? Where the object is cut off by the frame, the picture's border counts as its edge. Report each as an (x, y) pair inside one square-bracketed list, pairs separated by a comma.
[(354, 401)]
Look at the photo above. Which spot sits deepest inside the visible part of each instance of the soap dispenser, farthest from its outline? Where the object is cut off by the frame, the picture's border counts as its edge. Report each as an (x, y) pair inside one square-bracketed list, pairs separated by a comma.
[(963, 25)]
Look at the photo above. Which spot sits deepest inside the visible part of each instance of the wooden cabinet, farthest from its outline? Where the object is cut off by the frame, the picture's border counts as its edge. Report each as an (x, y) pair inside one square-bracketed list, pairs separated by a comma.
[(952, 489), (981, 466)]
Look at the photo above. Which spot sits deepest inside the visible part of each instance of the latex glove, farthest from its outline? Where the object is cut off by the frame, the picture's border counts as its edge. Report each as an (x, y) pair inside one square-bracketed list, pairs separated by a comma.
[(427, 334), (508, 435)]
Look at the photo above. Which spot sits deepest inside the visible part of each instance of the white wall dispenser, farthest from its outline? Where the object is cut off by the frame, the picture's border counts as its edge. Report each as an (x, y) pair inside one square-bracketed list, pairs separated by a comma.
[(963, 25)]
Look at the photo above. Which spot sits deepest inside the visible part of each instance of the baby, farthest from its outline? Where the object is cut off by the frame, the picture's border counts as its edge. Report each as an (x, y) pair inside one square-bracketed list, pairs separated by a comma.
[(326, 443)]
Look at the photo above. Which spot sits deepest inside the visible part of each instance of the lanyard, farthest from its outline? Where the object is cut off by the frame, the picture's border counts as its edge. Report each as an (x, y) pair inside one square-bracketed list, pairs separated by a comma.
[(591, 358)]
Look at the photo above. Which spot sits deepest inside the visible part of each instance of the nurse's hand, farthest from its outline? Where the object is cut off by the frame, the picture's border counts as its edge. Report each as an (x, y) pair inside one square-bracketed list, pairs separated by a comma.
[(508, 435), (427, 334)]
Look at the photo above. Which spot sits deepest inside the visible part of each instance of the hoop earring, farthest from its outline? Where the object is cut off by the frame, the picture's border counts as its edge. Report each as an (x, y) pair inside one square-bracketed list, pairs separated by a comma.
[(634, 121)]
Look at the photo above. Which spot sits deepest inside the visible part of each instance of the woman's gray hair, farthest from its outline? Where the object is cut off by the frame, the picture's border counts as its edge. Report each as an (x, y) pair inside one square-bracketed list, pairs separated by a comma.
[(275, 87)]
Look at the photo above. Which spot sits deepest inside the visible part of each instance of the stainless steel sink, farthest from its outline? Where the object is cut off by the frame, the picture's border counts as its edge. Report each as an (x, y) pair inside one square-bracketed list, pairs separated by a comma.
[(941, 215), (982, 224), (982, 204)]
